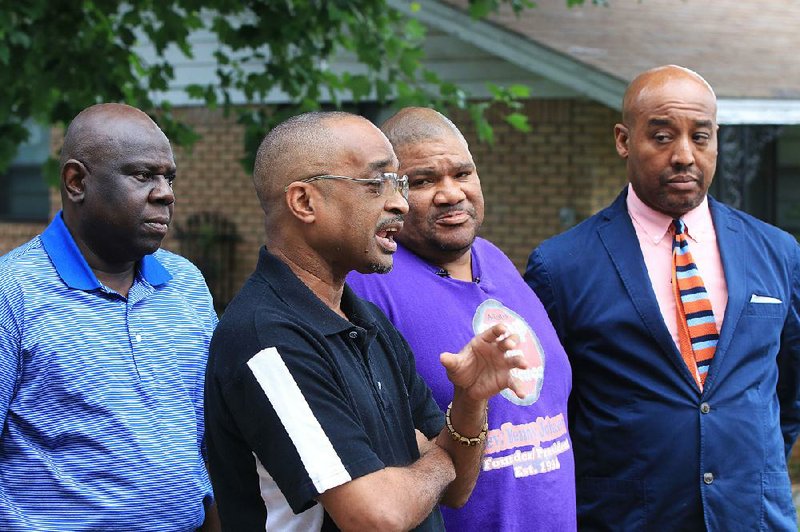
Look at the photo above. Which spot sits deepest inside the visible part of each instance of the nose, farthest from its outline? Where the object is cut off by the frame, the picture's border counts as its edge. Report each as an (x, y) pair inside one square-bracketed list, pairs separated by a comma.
[(162, 191), (396, 203), (683, 154), (448, 192)]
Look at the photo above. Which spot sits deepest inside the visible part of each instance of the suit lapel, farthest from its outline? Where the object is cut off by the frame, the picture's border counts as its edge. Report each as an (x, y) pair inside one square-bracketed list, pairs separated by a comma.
[(621, 243), (734, 264)]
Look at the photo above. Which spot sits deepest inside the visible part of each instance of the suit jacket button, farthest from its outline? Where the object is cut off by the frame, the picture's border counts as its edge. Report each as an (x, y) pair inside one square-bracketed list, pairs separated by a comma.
[(705, 408), (708, 478)]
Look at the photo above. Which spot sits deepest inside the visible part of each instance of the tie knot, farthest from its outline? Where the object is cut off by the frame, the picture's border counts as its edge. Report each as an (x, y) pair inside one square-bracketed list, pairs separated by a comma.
[(678, 226)]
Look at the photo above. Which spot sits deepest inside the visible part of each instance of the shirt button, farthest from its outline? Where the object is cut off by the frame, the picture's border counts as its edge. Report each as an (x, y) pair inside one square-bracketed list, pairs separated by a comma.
[(705, 408), (138, 337), (353, 335), (708, 478)]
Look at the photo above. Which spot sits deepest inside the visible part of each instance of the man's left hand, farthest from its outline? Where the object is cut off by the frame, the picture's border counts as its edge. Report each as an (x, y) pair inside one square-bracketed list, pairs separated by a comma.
[(483, 367)]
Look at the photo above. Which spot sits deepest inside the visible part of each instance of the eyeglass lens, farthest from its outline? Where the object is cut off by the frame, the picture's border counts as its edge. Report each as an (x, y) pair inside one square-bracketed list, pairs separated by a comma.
[(399, 184)]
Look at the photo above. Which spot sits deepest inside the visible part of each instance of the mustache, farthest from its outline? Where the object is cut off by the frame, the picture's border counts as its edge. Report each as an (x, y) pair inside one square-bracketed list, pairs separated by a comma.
[(383, 224), (672, 174), (444, 211)]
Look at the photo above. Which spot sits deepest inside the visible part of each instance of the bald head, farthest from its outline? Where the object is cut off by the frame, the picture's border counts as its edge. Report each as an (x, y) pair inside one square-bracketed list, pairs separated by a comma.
[(413, 125), (657, 78), (103, 130), (297, 148)]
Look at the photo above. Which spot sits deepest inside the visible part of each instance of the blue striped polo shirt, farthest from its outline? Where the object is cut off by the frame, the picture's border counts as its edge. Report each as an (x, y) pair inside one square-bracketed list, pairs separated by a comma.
[(101, 396)]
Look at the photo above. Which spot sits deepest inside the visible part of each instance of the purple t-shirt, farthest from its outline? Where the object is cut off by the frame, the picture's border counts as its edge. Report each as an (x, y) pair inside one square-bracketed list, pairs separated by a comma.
[(527, 479)]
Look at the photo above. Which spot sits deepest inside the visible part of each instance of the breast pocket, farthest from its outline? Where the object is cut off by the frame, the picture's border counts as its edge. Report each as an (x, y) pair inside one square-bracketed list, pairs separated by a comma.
[(765, 310)]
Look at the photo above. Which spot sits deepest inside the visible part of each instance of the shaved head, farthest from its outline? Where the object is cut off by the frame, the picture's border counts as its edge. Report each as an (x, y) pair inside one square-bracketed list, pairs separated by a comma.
[(413, 125), (103, 130), (655, 78), (297, 148)]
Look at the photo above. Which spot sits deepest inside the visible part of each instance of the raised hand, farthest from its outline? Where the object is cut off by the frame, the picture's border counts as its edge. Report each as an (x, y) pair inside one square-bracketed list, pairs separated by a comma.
[(482, 368)]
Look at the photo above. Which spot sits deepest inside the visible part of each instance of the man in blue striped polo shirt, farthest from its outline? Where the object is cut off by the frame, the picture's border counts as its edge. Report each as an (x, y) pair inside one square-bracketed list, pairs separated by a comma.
[(103, 345)]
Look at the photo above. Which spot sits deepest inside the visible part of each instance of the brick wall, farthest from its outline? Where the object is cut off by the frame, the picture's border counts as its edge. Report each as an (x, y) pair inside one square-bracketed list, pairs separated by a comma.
[(567, 162), (211, 179)]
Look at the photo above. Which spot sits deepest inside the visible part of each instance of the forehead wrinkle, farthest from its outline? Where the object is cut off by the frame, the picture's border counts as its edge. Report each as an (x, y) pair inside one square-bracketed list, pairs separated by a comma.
[(433, 162)]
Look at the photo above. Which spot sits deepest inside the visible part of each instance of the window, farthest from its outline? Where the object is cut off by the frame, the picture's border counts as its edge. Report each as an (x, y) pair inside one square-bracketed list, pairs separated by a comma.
[(24, 194), (787, 180), (759, 172)]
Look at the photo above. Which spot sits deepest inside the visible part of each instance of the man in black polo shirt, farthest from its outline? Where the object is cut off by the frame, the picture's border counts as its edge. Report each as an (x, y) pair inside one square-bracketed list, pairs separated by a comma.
[(316, 417)]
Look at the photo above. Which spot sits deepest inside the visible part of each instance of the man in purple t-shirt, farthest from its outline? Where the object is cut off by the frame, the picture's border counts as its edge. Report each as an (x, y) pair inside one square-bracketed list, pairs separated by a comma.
[(446, 286)]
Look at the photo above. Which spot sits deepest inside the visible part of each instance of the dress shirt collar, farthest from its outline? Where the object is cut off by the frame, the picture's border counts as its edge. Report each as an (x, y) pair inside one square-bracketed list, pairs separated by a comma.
[(699, 224), (73, 268)]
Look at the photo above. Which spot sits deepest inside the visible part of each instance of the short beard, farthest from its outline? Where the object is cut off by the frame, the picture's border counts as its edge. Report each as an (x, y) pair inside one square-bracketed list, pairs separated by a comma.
[(380, 268)]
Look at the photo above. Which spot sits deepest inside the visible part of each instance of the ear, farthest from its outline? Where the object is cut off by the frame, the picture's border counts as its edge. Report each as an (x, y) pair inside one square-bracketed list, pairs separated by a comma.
[(301, 200), (622, 137), (73, 179)]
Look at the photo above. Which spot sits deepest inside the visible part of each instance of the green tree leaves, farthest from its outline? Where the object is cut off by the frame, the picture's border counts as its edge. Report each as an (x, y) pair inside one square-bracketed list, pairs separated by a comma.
[(59, 56)]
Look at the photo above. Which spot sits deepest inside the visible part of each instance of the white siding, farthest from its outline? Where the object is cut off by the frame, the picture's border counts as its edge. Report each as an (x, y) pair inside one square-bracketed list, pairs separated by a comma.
[(451, 58)]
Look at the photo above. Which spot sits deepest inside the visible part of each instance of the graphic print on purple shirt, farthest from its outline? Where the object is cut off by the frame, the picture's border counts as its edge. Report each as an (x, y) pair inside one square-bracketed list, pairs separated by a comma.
[(492, 312), (538, 459)]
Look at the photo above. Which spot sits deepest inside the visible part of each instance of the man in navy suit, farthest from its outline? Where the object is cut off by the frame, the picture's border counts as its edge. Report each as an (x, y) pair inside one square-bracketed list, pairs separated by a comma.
[(656, 448)]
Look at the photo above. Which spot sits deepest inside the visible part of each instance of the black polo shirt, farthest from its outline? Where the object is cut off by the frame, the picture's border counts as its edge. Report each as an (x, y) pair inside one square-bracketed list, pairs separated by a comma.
[(300, 400)]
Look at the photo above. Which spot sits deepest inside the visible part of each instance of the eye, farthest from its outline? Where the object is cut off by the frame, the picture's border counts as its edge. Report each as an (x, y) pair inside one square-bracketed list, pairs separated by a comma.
[(420, 182), (702, 138), (662, 137), (463, 175), (375, 185), (170, 179)]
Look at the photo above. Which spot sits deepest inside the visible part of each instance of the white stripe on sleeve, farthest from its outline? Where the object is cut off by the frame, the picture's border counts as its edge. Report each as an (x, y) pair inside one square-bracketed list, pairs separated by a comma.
[(322, 464)]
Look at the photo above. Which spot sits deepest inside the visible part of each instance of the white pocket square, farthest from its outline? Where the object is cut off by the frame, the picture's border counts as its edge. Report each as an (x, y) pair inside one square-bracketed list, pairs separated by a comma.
[(765, 299)]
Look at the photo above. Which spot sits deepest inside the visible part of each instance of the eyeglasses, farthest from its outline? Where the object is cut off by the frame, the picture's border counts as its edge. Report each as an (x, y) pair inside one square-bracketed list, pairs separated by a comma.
[(398, 183)]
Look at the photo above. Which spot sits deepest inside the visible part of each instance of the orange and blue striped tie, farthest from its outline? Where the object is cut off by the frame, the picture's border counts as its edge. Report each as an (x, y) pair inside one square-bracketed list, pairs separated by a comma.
[(697, 329)]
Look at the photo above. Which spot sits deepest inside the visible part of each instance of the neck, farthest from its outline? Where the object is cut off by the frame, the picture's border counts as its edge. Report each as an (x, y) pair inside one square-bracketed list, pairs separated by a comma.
[(459, 267), (115, 275), (120, 282), (325, 286)]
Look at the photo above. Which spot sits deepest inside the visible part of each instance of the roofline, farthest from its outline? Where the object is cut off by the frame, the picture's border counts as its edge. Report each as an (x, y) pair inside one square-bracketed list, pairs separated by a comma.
[(733, 111), (519, 50), (568, 72)]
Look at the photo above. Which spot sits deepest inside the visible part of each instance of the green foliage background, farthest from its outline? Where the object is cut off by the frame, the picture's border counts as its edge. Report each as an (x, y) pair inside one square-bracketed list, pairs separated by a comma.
[(58, 57)]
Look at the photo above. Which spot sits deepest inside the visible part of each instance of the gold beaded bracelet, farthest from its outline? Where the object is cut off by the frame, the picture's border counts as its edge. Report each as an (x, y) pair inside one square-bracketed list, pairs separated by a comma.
[(463, 440)]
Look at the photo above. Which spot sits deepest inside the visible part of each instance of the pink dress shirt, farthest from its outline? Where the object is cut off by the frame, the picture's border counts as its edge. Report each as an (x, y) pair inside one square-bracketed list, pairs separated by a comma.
[(655, 241)]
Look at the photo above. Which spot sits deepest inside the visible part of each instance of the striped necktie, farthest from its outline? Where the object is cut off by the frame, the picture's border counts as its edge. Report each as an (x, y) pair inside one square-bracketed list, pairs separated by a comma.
[(697, 329)]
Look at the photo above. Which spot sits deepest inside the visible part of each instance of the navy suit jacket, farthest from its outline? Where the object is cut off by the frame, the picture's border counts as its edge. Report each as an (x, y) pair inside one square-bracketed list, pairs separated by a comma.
[(651, 451)]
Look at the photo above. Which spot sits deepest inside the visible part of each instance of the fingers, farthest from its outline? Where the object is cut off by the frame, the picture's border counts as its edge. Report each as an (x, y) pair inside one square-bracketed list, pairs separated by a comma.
[(515, 358), (496, 333), (450, 361), (515, 385), (423, 443)]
